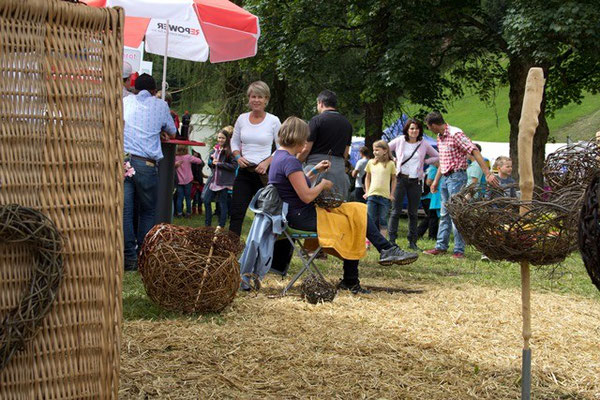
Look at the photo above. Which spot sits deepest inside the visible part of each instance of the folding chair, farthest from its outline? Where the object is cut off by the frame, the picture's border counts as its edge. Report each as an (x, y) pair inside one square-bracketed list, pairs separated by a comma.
[(294, 236)]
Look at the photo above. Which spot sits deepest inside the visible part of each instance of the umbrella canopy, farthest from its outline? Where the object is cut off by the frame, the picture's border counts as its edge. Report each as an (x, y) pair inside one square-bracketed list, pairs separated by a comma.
[(197, 28)]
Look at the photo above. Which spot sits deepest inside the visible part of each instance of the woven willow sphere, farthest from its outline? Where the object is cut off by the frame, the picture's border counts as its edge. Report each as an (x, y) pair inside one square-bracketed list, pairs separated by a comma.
[(589, 230), (190, 269), (492, 223), (316, 290), (573, 164)]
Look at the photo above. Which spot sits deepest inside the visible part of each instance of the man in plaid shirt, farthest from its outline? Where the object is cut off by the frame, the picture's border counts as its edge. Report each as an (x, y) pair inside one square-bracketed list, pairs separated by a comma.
[(453, 148)]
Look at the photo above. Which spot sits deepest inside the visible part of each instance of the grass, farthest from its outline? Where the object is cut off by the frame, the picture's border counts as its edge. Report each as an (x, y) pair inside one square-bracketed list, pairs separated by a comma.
[(568, 278), (489, 123)]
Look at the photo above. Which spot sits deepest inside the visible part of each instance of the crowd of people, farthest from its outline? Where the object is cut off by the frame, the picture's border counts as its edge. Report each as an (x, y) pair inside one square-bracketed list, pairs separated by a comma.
[(301, 160)]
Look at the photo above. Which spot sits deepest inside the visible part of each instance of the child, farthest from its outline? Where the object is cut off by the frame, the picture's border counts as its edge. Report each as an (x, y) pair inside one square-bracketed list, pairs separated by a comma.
[(359, 173), (183, 164), (223, 164), (380, 184), (503, 165)]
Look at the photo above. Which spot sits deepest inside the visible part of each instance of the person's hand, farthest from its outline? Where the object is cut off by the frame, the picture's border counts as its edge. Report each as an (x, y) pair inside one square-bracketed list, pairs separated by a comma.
[(178, 164), (434, 187), (491, 179), (262, 166), (164, 135), (323, 166), (326, 184), (242, 162), (216, 162), (392, 198), (365, 196)]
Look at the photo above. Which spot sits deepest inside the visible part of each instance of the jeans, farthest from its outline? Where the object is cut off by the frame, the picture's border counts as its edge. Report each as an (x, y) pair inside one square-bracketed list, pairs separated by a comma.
[(412, 189), (184, 192), (378, 208), (430, 222), (306, 219), (245, 186), (450, 185), (222, 199), (140, 193)]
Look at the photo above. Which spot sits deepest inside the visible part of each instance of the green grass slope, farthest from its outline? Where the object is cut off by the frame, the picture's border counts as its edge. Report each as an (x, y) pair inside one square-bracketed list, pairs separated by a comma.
[(489, 123)]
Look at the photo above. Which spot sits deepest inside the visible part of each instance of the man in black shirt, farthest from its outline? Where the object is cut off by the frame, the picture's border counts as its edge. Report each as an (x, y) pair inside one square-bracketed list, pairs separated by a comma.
[(330, 138)]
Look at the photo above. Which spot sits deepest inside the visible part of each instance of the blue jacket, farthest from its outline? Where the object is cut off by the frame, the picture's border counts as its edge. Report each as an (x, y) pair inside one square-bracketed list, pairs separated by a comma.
[(269, 222), (224, 173)]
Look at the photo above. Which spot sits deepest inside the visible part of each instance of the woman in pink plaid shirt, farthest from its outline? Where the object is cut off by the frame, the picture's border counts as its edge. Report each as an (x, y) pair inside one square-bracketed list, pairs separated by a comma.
[(453, 147)]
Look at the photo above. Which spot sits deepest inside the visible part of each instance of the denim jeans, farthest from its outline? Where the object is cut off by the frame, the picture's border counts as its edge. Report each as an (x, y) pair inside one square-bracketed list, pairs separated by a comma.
[(184, 192), (450, 185), (222, 199), (306, 219), (412, 189), (378, 208), (140, 192)]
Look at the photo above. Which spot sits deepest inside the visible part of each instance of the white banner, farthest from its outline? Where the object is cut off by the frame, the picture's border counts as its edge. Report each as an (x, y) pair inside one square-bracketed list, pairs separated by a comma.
[(186, 40)]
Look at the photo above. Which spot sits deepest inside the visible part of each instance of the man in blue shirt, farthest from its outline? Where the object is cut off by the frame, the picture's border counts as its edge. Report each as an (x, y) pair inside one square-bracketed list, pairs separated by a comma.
[(146, 118)]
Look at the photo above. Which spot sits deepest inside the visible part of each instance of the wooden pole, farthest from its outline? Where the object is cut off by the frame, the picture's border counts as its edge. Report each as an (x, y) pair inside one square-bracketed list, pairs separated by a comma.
[(528, 123)]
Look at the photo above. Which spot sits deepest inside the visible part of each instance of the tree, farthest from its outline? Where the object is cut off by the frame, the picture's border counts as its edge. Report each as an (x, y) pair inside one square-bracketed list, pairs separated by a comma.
[(559, 36)]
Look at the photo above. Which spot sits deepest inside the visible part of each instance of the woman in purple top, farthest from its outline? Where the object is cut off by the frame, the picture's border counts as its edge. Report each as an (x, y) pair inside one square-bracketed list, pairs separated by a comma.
[(410, 150), (295, 189)]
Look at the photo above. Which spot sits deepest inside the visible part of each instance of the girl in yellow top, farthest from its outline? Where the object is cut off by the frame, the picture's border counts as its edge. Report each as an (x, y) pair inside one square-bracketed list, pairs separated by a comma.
[(380, 183)]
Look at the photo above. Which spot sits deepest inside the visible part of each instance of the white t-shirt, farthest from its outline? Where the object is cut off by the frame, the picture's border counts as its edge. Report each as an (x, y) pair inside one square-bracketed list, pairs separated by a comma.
[(360, 167), (411, 167), (255, 141)]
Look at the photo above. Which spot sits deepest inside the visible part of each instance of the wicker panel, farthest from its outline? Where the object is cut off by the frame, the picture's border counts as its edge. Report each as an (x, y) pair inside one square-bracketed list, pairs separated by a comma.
[(61, 153)]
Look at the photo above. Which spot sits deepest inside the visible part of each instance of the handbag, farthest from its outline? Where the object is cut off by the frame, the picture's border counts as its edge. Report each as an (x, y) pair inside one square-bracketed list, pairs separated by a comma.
[(206, 189)]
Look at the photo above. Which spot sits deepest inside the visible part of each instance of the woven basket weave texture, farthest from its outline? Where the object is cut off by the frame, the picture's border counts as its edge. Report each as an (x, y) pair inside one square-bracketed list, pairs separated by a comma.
[(61, 153)]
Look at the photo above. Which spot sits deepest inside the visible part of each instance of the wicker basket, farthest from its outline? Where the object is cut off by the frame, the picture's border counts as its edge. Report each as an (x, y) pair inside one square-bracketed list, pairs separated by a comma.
[(573, 164), (589, 230), (61, 152), (491, 222)]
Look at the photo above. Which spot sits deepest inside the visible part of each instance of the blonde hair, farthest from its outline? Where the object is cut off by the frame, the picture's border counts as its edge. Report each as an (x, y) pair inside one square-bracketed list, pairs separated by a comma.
[(228, 129), (382, 144), (259, 88), (500, 161), (182, 149), (294, 131)]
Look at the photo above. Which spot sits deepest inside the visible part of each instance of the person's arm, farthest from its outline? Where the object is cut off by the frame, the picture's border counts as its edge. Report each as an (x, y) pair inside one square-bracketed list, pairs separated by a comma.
[(434, 185), (317, 169), (346, 152), (489, 176), (367, 184), (236, 143), (307, 194), (393, 187), (168, 123), (196, 160), (305, 152), (432, 153), (262, 166)]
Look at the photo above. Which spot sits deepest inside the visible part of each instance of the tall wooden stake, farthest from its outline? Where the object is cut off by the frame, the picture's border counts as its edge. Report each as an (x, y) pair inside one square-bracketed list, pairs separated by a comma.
[(528, 123)]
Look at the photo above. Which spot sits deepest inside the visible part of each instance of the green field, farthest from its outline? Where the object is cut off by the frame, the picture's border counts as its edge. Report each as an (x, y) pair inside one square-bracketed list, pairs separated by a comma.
[(485, 122)]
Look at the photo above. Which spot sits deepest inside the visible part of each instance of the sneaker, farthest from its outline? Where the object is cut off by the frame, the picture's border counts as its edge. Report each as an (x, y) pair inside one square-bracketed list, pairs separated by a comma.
[(458, 255), (130, 265), (367, 244), (485, 258), (395, 255), (434, 252), (354, 289)]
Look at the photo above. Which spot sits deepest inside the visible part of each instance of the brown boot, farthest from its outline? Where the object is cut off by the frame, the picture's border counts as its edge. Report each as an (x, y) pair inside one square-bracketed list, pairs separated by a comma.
[(194, 210)]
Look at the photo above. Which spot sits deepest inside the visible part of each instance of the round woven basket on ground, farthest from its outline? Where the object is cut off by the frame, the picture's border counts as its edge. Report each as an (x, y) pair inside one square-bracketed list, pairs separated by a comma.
[(190, 269), (573, 164), (329, 199), (491, 222), (589, 230), (317, 290)]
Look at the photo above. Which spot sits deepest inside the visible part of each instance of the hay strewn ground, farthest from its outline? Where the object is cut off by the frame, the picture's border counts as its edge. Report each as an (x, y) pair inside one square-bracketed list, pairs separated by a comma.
[(458, 342)]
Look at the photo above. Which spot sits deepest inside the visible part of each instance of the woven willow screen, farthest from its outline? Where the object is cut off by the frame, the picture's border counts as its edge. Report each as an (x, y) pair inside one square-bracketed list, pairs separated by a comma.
[(61, 154)]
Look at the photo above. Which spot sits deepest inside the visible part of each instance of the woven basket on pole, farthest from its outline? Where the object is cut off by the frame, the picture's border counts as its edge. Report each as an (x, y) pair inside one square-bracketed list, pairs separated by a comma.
[(61, 151)]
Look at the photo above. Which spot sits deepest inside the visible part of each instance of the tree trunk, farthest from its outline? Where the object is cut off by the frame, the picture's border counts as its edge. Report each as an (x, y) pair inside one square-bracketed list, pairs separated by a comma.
[(278, 97), (373, 122), (234, 94), (517, 76)]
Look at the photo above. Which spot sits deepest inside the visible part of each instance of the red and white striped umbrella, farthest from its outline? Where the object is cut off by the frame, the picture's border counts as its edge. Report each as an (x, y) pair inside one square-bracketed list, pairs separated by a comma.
[(197, 29)]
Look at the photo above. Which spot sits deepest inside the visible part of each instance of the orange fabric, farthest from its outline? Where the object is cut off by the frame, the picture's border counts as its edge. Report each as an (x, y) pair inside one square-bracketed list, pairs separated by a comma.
[(344, 229)]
